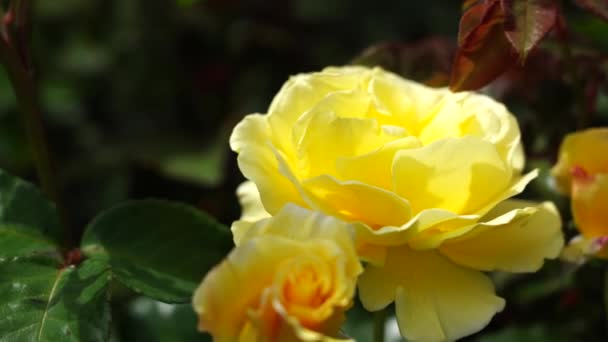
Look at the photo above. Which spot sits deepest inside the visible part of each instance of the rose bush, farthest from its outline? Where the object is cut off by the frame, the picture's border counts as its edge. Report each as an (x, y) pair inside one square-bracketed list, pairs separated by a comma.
[(424, 175), (291, 280)]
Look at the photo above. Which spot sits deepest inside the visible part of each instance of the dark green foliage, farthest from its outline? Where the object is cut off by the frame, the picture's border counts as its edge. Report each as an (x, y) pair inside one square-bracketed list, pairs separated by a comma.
[(41, 301), (41, 298), (157, 248), (24, 209)]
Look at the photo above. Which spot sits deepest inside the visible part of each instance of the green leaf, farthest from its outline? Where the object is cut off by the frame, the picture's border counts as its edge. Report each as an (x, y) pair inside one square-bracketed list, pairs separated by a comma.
[(16, 241), (41, 301), (158, 248), (24, 208)]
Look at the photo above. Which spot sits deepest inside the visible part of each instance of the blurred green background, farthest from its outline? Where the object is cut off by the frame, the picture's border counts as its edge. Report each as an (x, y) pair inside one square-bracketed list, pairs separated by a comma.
[(140, 96)]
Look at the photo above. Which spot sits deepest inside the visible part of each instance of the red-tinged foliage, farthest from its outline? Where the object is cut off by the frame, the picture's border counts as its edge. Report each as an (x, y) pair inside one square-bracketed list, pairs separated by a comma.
[(526, 81), (483, 49), (592, 90), (561, 28), (481, 13), (527, 22), (597, 7), (468, 3)]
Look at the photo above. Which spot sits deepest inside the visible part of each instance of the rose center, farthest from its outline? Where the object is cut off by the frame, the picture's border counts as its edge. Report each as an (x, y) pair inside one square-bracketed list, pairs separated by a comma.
[(306, 284)]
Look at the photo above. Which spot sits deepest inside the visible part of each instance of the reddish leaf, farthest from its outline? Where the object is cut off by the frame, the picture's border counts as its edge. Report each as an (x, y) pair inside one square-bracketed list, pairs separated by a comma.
[(597, 7), (474, 17), (527, 22), (561, 29), (483, 50), (468, 3)]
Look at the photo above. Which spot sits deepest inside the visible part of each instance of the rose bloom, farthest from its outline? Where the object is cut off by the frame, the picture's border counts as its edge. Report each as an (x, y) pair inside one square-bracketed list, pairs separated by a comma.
[(582, 173), (291, 280), (424, 175)]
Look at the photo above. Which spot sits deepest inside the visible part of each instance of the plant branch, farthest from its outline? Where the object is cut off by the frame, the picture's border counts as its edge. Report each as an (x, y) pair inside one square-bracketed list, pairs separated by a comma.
[(27, 99), (14, 57), (21, 13), (379, 325), (606, 295)]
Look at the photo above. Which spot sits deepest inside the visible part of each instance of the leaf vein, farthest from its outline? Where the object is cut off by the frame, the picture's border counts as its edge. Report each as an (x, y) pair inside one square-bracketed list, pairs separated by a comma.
[(48, 304)]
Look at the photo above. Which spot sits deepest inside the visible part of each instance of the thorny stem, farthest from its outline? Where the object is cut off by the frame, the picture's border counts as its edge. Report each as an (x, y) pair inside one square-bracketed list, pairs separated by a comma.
[(14, 56)]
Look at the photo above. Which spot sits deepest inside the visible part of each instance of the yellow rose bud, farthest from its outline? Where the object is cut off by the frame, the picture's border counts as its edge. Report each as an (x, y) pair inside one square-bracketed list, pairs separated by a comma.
[(582, 172), (424, 176), (291, 280), (590, 203), (586, 150), (581, 248)]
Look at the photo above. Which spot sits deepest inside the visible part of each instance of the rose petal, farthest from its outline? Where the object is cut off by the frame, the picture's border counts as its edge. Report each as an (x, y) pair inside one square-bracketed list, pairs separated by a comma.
[(479, 116), (459, 175), (221, 301), (226, 307), (349, 136), (435, 299), (251, 139), (301, 92), (402, 102), (374, 168), (590, 205), (586, 149), (521, 245), (426, 230), (357, 202), (251, 203)]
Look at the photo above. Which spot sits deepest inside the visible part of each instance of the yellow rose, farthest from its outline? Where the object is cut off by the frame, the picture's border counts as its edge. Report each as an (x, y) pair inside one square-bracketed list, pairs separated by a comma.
[(581, 151), (424, 176), (291, 280), (582, 173)]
